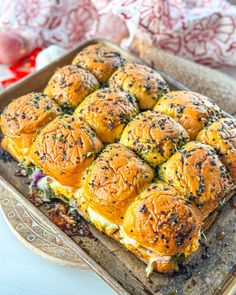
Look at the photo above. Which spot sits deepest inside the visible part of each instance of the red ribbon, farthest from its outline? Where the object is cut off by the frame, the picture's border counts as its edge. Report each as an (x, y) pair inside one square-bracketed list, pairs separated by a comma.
[(22, 68)]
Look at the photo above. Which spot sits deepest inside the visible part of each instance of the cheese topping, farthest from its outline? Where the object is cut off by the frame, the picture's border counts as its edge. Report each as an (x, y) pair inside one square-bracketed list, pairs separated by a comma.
[(99, 220), (59, 189)]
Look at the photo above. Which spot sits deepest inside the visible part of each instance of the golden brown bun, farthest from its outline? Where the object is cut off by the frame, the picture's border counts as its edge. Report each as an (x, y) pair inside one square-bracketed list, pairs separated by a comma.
[(154, 137), (142, 82), (100, 60), (107, 112), (221, 135), (192, 110), (162, 220), (197, 172), (163, 264), (113, 180), (21, 120), (70, 85), (64, 149)]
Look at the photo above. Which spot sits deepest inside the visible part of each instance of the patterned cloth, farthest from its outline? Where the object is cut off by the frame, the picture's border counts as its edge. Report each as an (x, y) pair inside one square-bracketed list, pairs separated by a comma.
[(200, 30)]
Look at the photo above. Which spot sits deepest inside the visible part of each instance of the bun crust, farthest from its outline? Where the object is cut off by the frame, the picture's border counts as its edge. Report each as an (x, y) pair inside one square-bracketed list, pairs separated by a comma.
[(64, 149), (221, 136), (162, 220), (144, 83), (113, 180), (21, 120), (192, 110), (107, 112), (199, 175), (100, 60), (70, 85), (154, 137)]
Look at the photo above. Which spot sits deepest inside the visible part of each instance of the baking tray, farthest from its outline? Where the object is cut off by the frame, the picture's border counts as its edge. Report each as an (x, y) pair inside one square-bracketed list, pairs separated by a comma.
[(211, 270)]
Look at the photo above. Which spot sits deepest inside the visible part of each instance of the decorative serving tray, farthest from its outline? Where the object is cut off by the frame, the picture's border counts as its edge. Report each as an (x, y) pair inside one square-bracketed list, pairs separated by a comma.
[(211, 270), (34, 234)]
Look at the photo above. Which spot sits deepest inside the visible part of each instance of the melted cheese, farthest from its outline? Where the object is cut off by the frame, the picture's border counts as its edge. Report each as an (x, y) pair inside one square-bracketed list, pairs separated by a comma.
[(60, 189), (127, 240), (101, 223), (154, 257)]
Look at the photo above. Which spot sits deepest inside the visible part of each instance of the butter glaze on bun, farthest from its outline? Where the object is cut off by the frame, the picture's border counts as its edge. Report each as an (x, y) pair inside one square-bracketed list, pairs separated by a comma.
[(21, 120), (70, 85), (145, 84), (154, 137), (197, 172), (100, 60), (107, 112), (192, 110), (64, 149), (113, 180)]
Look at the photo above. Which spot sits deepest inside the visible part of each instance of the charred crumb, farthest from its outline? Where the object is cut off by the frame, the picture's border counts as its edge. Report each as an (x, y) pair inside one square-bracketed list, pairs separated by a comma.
[(50, 205), (143, 209), (205, 256), (70, 222), (232, 203), (185, 271), (27, 182), (21, 173), (220, 235), (35, 199), (204, 245), (147, 291), (5, 156)]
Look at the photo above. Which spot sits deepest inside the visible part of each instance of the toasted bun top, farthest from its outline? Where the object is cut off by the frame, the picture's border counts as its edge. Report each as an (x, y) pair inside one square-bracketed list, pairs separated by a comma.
[(70, 85), (64, 149), (197, 172), (141, 81), (27, 114), (100, 60), (113, 180), (162, 220), (107, 112), (221, 135), (154, 136), (192, 110)]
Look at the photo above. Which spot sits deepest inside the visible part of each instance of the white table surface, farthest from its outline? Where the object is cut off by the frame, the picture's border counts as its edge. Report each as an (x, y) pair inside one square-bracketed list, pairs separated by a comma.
[(23, 272)]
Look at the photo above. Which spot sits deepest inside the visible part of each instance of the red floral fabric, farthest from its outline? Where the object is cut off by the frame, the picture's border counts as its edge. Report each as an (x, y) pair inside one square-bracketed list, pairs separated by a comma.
[(200, 30)]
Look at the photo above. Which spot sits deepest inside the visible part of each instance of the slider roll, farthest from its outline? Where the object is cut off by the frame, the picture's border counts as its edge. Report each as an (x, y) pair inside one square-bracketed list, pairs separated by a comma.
[(70, 85), (64, 149), (112, 182), (197, 172), (100, 60), (107, 112), (192, 110), (154, 137), (145, 84), (22, 119), (221, 135), (161, 221)]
